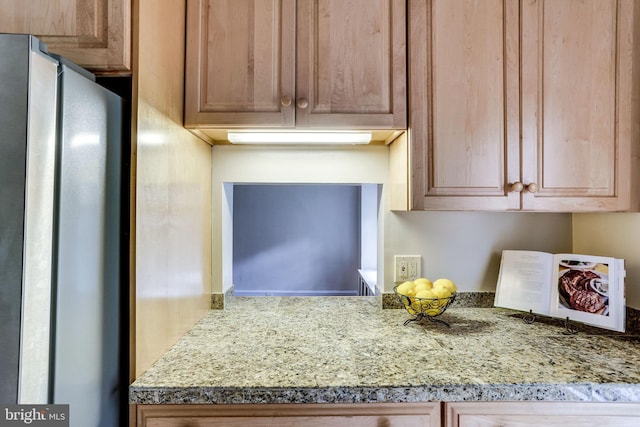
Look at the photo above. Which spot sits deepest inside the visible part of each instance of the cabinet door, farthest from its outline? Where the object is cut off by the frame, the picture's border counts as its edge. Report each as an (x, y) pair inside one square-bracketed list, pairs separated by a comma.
[(541, 414), (95, 34), (240, 63), (464, 104), (291, 415), (351, 64), (576, 104)]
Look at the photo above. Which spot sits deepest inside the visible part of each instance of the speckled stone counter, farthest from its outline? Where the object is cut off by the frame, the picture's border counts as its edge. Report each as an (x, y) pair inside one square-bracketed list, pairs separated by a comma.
[(349, 349)]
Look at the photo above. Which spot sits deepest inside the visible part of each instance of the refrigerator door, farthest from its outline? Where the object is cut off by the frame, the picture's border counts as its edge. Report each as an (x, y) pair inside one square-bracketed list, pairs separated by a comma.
[(38, 234), (87, 315), (27, 161)]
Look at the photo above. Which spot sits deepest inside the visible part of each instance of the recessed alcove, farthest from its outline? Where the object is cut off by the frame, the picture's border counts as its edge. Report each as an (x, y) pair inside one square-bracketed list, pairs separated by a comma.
[(303, 239)]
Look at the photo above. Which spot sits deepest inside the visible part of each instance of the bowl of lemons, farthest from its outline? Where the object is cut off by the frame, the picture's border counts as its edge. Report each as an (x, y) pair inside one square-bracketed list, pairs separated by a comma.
[(424, 298)]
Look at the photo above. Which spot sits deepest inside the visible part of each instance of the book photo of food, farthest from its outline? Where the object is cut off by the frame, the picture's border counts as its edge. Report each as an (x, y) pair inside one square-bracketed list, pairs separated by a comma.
[(584, 286)]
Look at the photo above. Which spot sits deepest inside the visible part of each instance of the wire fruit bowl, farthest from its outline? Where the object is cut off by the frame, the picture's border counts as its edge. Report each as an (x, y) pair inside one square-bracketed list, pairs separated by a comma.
[(424, 307)]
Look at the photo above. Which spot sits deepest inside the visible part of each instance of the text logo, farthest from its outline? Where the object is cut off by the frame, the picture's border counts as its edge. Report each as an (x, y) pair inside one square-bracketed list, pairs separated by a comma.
[(34, 415)]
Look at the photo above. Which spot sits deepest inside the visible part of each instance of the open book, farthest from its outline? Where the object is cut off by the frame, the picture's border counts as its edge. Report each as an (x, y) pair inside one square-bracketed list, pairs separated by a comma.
[(584, 288)]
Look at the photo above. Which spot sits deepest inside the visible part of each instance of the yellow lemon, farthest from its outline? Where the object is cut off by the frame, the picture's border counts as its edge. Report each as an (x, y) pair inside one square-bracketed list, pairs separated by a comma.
[(428, 304), (426, 293), (407, 288), (432, 312), (446, 283), (441, 292), (442, 303), (423, 283), (422, 286)]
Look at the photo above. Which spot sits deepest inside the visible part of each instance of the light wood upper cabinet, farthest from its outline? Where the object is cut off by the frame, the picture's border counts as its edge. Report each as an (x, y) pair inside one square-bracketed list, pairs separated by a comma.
[(524, 105), (463, 111), (240, 68), (577, 99), (351, 64), (296, 63), (95, 34)]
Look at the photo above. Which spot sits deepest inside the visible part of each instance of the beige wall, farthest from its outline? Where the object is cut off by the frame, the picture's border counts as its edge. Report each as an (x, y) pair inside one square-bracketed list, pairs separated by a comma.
[(173, 190), (616, 235), (464, 246)]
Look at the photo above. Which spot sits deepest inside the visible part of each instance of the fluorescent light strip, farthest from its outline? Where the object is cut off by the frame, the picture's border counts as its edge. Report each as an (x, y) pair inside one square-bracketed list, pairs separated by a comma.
[(298, 137)]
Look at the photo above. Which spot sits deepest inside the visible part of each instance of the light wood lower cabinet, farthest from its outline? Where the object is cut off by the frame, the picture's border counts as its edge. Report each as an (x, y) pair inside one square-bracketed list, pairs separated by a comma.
[(541, 414), (288, 415), (429, 414)]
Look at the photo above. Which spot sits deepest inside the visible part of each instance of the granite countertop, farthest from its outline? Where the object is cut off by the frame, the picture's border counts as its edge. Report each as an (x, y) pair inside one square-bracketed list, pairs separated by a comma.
[(349, 349)]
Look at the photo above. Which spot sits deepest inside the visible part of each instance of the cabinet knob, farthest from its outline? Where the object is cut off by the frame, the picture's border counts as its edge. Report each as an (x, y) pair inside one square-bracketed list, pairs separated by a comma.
[(303, 103), (517, 187), (532, 188), (285, 101)]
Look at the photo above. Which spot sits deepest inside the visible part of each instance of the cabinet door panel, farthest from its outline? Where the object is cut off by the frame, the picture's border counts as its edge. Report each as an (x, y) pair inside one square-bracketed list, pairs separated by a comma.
[(95, 34), (291, 415), (463, 59), (574, 53), (324, 421), (351, 63), (541, 414), (240, 62), (532, 420)]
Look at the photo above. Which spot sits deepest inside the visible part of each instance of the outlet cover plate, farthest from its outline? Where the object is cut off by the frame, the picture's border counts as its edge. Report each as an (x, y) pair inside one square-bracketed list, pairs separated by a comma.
[(406, 267)]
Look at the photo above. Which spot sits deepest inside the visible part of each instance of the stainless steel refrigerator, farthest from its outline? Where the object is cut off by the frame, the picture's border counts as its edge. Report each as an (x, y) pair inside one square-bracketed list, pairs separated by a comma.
[(60, 235)]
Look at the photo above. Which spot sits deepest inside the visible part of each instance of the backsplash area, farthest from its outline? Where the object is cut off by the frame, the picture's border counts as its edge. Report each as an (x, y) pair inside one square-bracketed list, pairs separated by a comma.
[(463, 299)]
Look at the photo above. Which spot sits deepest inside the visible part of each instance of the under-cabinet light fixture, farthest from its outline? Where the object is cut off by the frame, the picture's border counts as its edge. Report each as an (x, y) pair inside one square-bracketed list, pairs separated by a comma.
[(299, 137)]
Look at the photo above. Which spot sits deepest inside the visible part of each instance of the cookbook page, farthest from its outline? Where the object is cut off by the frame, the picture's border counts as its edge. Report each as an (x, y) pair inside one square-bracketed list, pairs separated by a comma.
[(524, 282), (588, 289)]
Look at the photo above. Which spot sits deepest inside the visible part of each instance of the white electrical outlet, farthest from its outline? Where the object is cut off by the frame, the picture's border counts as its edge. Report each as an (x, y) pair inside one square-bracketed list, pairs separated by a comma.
[(406, 267)]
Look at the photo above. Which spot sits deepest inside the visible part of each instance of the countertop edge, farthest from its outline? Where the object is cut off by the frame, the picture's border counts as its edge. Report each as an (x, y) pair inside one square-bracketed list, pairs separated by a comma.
[(583, 392)]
